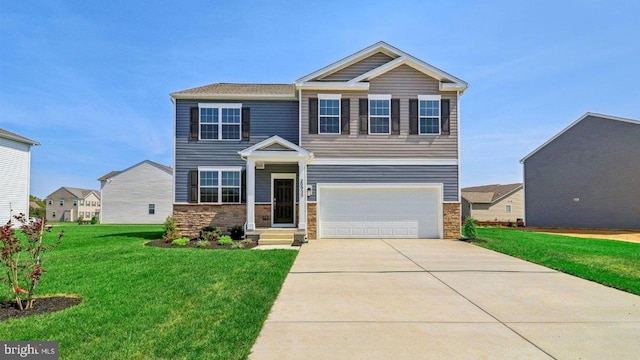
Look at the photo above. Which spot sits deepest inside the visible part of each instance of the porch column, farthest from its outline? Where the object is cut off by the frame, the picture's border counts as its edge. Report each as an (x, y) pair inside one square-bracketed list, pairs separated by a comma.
[(302, 198), (251, 194)]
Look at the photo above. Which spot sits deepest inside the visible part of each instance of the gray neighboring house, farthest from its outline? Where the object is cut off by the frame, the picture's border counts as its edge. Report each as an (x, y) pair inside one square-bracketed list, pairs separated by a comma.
[(140, 194), (366, 147), (587, 176), (15, 177)]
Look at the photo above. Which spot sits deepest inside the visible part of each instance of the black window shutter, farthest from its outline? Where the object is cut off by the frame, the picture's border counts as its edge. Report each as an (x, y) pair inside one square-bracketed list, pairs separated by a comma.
[(413, 116), (194, 123), (364, 116), (345, 113), (444, 116), (313, 115), (193, 186), (395, 116), (246, 123), (243, 186)]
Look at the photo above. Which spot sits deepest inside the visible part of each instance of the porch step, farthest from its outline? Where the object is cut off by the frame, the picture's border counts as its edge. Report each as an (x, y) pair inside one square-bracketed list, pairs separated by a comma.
[(276, 237)]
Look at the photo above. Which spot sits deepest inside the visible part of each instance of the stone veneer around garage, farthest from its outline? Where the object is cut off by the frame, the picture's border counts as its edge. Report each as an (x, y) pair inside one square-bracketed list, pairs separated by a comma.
[(191, 218)]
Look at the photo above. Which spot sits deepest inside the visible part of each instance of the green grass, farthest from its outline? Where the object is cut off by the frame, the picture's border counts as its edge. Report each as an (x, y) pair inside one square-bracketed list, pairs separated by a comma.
[(143, 302), (609, 262)]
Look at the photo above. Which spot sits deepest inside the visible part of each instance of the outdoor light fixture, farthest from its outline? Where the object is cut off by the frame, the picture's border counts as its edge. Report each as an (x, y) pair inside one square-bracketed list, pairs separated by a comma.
[(309, 190)]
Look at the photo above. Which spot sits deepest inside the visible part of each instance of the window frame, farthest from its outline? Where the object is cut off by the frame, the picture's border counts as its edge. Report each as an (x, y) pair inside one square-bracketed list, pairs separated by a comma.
[(219, 186), (386, 98), (334, 97), (437, 98), (152, 209), (219, 124), (61, 202), (508, 208)]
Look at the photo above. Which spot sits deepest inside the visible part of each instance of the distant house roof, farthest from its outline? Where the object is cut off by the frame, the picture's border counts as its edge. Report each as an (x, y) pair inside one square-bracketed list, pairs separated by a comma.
[(15, 137), (114, 173), (78, 193), (601, 116), (238, 91), (488, 194)]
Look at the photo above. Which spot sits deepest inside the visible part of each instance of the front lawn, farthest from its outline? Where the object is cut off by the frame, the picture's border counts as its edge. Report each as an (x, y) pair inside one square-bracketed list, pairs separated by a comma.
[(141, 302), (609, 262)]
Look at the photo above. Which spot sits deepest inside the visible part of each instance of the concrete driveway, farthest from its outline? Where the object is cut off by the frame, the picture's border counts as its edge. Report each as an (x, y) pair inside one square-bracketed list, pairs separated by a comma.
[(441, 299)]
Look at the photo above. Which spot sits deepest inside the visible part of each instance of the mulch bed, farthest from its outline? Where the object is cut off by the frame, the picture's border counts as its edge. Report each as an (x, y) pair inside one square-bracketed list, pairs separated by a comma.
[(473, 240), (194, 244), (45, 305)]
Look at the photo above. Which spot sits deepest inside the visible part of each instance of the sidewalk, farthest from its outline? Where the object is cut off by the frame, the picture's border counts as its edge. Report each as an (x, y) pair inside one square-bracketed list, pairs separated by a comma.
[(441, 299)]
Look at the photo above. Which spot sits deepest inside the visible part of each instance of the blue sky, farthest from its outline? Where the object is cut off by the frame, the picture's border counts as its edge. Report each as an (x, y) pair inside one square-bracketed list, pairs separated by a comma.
[(90, 80)]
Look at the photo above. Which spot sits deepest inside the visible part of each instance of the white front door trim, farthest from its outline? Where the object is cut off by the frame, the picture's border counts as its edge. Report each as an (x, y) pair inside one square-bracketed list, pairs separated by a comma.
[(292, 176)]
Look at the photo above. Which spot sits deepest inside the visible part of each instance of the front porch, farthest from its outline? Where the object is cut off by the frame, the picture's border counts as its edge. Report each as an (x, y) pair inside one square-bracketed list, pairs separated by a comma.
[(275, 236)]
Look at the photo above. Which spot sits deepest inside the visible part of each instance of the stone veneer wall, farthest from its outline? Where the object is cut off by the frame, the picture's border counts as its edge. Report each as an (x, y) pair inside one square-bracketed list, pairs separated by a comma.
[(312, 221), (191, 218), (451, 219), (263, 215)]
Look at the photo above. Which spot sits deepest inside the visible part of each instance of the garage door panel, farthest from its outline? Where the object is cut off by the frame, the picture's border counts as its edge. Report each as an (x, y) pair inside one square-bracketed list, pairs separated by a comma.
[(379, 212)]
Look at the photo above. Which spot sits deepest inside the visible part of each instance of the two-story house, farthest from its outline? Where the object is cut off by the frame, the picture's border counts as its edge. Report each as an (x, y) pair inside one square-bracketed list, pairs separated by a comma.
[(15, 177), (366, 147), (68, 204)]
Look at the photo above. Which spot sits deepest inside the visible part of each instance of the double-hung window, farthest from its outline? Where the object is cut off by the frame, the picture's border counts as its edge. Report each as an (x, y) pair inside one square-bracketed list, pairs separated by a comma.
[(429, 114), (219, 185), (329, 113), (220, 121), (380, 114)]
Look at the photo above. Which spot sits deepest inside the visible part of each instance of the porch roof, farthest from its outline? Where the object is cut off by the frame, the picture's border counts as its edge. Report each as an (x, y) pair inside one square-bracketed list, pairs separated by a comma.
[(275, 148)]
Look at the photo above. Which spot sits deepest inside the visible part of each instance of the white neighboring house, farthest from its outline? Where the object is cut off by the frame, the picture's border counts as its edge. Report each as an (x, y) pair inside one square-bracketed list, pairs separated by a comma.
[(141, 194), (15, 177)]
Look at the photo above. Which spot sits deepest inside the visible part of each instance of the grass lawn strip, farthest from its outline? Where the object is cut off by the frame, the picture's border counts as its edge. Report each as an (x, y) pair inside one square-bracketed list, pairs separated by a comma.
[(609, 262), (143, 302)]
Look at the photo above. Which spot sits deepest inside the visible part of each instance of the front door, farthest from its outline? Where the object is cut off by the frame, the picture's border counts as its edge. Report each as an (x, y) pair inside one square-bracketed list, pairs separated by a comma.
[(283, 204)]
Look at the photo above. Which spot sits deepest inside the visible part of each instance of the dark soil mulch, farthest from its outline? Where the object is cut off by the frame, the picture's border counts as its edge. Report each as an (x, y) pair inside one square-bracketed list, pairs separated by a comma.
[(194, 244), (473, 240), (46, 305)]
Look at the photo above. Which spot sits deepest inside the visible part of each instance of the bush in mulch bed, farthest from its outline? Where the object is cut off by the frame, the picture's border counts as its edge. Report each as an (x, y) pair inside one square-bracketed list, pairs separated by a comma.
[(45, 305), (201, 244)]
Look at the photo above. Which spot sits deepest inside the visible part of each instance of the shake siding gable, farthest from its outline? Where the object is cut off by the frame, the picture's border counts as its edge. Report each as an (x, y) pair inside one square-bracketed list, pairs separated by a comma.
[(403, 83)]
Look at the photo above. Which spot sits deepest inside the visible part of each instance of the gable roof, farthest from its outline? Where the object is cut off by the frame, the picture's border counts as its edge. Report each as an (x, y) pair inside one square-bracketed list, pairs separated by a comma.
[(448, 82), (77, 192), (589, 114), (5, 134), (238, 92), (488, 194), (282, 145), (115, 173)]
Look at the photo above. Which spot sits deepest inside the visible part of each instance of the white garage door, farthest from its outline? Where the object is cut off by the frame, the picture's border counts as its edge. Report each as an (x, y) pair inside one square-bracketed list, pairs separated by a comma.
[(368, 211)]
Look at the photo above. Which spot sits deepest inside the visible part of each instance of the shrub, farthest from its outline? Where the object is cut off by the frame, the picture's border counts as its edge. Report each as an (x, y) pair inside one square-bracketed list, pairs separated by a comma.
[(236, 232), (225, 240), (80, 219), (210, 233), (469, 228), (246, 242), (94, 220), (22, 261), (170, 231), (202, 243), (183, 241)]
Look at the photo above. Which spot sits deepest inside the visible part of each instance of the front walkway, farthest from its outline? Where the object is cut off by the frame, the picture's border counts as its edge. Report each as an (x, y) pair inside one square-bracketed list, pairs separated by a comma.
[(441, 299)]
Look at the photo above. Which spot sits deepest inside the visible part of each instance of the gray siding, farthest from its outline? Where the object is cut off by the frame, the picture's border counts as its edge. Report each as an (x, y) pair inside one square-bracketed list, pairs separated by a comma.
[(595, 161), (263, 180), (444, 174), (404, 83), (268, 118), (359, 68), (126, 198)]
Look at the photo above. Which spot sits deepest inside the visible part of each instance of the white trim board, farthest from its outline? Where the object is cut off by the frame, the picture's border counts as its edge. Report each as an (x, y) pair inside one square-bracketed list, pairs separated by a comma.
[(378, 161)]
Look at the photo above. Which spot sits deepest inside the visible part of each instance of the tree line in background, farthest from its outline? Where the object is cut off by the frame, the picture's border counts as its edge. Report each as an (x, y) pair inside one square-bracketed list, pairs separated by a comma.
[(37, 207)]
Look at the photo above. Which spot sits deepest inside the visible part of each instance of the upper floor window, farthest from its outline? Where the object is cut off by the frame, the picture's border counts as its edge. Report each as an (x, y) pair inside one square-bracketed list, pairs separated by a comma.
[(219, 186), (429, 114), (81, 201), (61, 202), (50, 202), (220, 121), (329, 113), (380, 114), (75, 202)]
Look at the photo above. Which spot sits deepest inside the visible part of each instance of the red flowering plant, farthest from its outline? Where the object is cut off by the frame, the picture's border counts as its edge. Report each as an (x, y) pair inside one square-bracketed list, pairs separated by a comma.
[(21, 259)]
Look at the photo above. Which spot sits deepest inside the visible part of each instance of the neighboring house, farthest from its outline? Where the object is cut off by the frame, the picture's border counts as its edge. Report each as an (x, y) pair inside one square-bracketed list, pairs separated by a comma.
[(366, 147), (68, 204), (501, 203), (587, 176), (140, 194), (15, 177)]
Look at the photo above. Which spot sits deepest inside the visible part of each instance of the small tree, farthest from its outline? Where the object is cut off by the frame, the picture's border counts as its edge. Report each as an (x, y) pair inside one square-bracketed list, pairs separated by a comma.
[(170, 230), (21, 260), (469, 228)]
